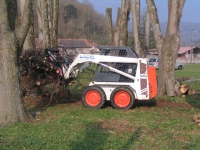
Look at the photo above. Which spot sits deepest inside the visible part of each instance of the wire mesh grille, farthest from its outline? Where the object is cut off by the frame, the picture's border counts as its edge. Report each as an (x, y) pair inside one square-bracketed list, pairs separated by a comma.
[(121, 52)]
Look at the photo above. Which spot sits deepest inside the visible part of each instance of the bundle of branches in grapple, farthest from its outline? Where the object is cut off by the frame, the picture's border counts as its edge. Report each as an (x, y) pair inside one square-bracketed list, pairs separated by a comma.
[(37, 70)]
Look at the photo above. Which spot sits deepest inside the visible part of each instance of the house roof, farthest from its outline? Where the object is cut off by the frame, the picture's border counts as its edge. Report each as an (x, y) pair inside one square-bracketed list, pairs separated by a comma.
[(182, 50), (74, 43)]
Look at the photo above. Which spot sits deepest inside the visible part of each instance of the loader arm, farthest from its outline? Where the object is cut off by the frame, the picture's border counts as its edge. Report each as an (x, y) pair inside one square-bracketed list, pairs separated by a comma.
[(83, 60)]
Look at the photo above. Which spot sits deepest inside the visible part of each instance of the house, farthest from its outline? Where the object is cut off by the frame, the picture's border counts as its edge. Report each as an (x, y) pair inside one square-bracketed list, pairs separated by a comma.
[(184, 52), (72, 47)]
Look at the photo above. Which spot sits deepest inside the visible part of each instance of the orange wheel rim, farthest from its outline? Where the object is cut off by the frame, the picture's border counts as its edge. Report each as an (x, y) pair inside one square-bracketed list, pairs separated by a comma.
[(93, 98), (122, 99)]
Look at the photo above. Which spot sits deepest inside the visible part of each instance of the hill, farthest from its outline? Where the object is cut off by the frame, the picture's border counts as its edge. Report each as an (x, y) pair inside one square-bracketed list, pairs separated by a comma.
[(80, 20)]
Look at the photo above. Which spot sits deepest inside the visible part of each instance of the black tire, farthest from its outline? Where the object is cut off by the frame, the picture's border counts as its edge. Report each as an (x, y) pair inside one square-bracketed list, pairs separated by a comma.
[(122, 98), (180, 67), (93, 97)]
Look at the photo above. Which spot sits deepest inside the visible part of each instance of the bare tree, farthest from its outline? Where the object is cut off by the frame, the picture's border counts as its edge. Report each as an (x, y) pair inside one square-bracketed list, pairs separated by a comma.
[(119, 35), (167, 47), (109, 24), (123, 24), (135, 9), (12, 38)]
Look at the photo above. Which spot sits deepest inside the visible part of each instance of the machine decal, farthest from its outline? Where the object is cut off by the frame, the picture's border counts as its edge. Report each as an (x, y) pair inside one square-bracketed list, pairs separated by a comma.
[(87, 56)]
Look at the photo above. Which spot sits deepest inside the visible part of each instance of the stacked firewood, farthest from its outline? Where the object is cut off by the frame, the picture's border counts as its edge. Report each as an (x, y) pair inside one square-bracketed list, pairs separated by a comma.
[(37, 70), (183, 89)]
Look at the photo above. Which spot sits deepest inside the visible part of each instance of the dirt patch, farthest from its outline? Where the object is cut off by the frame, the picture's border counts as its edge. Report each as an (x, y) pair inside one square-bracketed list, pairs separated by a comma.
[(117, 126), (165, 103), (42, 102), (47, 101)]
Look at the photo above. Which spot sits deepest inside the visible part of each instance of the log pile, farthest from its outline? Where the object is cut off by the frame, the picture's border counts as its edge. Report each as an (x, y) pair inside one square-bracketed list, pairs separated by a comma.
[(183, 89), (37, 70)]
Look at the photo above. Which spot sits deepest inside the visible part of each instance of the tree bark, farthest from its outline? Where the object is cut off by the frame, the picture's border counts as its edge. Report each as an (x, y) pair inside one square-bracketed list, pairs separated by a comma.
[(43, 24), (119, 37), (136, 26), (147, 33), (54, 37), (11, 102), (109, 24), (29, 43), (123, 25), (46, 28), (171, 44), (22, 28), (40, 22), (117, 28), (168, 47), (47, 12)]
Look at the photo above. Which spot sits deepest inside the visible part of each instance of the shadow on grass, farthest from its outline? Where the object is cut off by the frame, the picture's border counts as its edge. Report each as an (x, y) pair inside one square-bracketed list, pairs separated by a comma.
[(193, 100), (37, 105), (145, 103), (138, 103), (96, 137), (132, 139)]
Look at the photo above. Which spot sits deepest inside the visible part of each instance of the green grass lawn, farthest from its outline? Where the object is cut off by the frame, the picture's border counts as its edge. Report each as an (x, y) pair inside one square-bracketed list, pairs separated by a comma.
[(165, 123)]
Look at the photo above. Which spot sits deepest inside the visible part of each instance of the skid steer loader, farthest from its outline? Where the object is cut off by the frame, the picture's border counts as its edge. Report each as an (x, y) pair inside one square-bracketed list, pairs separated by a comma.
[(120, 77)]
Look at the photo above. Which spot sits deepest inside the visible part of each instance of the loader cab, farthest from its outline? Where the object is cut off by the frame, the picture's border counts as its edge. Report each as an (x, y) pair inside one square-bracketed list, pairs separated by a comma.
[(120, 51), (103, 74)]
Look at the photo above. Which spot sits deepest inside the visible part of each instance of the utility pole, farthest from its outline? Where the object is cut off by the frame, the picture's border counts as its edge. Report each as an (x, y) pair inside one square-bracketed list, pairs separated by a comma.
[(191, 48)]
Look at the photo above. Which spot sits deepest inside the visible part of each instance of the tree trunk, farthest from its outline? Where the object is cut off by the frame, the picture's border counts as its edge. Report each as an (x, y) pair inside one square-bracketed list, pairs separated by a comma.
[(168, 47), (22, 28), (171, 45), (54, 37), (47, 12), (43, 24), (29, 43), (11, 102), (119, 37), (147, 33), (117, 28), (136, 27), (46, 28), (40, 24), (109, 24), (123, 25)]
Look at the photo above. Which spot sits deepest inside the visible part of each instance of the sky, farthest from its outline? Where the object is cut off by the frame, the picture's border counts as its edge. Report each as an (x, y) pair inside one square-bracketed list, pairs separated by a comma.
[(190, 10)]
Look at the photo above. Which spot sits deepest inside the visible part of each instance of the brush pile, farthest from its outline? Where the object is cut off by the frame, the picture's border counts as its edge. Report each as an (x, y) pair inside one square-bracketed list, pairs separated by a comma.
[(37, 70)]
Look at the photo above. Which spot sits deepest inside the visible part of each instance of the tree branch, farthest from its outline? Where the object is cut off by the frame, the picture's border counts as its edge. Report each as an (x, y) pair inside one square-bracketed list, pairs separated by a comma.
[(155, 23)]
